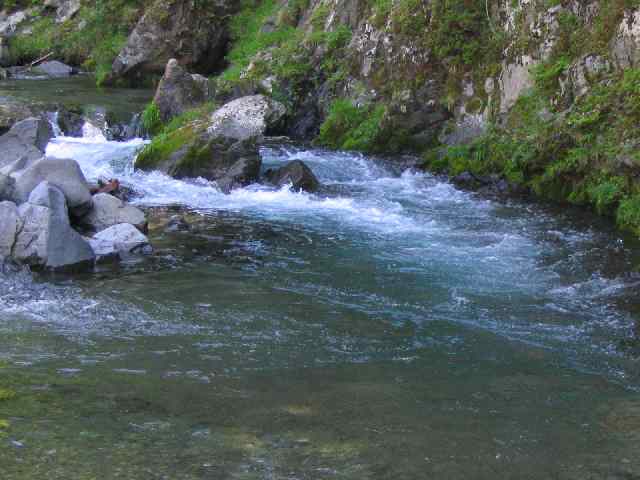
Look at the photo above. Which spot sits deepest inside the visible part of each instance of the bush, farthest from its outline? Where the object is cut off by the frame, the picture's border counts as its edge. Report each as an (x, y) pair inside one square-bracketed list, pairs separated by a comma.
[(151, 120), (352, 127), (628, 214)]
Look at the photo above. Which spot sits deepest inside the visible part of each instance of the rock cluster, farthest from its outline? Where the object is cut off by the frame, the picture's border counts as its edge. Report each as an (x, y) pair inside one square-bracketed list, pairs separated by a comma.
[(223, 147), (45, 204)]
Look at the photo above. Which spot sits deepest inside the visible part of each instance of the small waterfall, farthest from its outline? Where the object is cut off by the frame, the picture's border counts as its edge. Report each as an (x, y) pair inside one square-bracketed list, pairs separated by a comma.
[(52, 117), (91, 132)]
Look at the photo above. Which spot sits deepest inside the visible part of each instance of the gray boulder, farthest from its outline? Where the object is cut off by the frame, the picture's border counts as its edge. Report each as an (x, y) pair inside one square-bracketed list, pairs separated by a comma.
[(296, 173), (246, 117), (179, 91), (108, 211), (64, 174), (119, 240), (53, 69), (231, 163), (10, 225), (197, 37), (46, 239), (27, 140)]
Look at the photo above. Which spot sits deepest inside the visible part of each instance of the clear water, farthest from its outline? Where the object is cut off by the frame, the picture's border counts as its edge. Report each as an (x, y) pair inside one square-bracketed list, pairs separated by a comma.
[(79, 92), (388, 327)]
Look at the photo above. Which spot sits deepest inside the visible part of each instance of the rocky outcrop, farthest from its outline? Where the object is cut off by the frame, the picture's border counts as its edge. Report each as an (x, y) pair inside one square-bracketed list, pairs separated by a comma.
[(295, 173), (179, 91), (46, 238), (26, 141), (195, 35), (9, 23), (515, 80), (65, 9), (108, 211), (225, 148), (64, 174), (579, 77), (625, 44)]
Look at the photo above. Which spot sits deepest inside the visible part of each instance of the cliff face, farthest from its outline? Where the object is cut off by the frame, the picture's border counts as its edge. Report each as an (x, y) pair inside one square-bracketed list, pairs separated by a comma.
[(545, 95)]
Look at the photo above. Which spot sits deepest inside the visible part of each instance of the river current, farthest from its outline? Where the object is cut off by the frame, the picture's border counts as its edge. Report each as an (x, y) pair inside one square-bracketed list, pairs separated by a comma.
[(390, 326)]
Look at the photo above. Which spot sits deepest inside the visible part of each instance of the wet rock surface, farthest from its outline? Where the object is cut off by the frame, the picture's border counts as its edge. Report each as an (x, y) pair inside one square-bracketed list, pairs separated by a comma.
[(46, 238), (25, 141), (108, 211), (65, 174), (295, 173)]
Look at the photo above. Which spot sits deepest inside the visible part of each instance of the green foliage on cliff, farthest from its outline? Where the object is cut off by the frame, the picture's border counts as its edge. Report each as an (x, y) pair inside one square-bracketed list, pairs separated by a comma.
[(587, 156), (92, 38), (249, 37), (151, 121), (352, 127)]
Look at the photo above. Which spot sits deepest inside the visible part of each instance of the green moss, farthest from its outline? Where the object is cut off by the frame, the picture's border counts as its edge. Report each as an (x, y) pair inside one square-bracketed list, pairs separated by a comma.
[(163, 146), (547, 75), (6, 394), (628, 214), (179, 133), (151, 120), (248, 37)]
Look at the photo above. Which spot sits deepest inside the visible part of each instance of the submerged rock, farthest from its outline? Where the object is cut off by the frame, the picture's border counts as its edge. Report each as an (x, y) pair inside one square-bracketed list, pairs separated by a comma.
[(65, 174), (26, 141), (177, 223), (118, 241), (108, 211), (179, 91), (53, 69), (46, 238), (296, 173)]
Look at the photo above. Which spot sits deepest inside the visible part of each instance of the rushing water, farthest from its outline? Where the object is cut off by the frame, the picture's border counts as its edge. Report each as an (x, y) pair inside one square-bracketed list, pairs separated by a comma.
[(388, 327)]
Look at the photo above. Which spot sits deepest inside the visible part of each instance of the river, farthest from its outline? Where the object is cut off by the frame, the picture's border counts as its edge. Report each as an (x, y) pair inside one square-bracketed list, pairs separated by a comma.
[(390, 326)]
